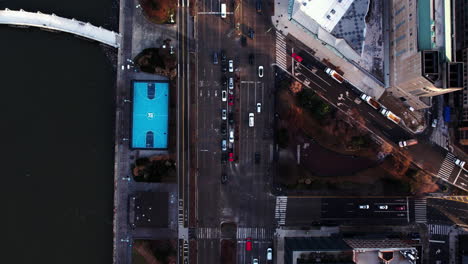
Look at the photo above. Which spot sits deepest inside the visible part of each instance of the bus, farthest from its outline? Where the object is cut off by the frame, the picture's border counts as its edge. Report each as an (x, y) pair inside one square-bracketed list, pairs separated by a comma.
[(223, 10)]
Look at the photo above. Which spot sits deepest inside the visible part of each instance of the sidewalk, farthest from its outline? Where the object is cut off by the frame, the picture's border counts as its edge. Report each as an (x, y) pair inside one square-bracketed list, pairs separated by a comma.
[(412, 120)]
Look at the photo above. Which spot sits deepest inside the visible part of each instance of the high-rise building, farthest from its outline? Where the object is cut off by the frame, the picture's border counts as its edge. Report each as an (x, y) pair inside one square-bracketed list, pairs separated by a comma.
[(422, 54)]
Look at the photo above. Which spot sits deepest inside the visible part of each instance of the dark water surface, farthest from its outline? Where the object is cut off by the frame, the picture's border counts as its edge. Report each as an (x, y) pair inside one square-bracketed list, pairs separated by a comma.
[(57, 119)]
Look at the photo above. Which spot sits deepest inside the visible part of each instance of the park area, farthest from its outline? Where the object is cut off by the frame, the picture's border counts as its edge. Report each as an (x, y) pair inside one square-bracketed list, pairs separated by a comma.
[(323, 151), (160, 11)]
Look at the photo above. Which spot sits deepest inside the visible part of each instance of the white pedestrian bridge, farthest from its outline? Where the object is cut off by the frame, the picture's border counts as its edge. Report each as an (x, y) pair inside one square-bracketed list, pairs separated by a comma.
[(53, 22)]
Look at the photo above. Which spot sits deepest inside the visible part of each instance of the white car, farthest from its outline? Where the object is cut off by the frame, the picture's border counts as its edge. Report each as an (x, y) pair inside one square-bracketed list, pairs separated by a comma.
[(434, 123), (269, 254), (251, 120), (231, 83), (364, 206), (223, 114), (260, 71), (224, 145), (383, 207), (231, 136), (231, 66), (255, 261), (259, 107), (223, 95)]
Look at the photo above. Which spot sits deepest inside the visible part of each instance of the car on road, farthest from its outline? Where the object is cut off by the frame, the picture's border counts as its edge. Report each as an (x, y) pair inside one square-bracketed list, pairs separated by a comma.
[(224, 178), (255, 261), (251, 58), (297, 57), (257, 157), (231, 66), (223, 56), (223, 145), (231, 118), (260, 71), (223, 114), (231, 136), (400, 208), (248, 244), (224, 80), (224, 157), (215, 58), (269, 255), (259, 107), (251, 120), (231, 83), (231, 157), (383, 207), (364, 206), (259, 6), (223, 128), (407, 143), (223, 95), (231, 99), (243, 41), (434, 123), (251, 33)]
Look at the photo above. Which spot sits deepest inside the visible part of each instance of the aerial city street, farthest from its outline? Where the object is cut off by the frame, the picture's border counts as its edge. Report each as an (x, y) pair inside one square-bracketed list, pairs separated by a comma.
[(287, 131)]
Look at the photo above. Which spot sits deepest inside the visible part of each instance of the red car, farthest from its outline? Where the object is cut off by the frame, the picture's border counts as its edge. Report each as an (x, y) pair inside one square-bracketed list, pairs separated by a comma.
[(231, 156), (400, 208), (248, 244), (297, 57), (231, 99)]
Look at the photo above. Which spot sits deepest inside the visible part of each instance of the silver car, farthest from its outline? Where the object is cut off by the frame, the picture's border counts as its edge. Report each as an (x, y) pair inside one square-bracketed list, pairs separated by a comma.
[(231, 66), (223, 114)]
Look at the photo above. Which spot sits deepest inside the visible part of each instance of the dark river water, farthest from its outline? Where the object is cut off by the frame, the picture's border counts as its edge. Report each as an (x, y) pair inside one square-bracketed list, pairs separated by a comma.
[(57, 116)]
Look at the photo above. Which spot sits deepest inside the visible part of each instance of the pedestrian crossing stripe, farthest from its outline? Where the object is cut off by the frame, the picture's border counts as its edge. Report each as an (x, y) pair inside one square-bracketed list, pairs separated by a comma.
[(447, 166)]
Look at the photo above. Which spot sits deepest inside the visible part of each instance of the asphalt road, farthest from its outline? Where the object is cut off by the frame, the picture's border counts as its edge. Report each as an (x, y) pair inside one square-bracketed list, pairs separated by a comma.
[(245, 198), (303, 211)]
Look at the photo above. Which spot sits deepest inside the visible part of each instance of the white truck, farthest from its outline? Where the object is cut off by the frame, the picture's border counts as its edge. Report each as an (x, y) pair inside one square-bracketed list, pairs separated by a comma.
[(407, 143), (335, 75), (460, 163), (391, 116), (370, 101)]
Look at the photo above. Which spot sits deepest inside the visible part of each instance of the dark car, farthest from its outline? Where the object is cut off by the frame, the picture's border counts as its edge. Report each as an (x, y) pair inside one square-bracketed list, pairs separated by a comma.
[(224, 157), (224, 80), (257, 157), (223, 56), (231, 99), (243, 41), (231, 118), (251, 33), (223, 128), (224, 178), (223, 67), (259, 6), (251, 58)]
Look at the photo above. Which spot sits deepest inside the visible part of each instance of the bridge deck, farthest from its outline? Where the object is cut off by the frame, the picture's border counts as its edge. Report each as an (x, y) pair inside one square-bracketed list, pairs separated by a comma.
[(24, 18)]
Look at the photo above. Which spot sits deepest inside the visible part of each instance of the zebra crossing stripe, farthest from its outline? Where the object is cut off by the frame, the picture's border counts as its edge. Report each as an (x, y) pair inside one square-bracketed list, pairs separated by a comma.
[(439, 229), (447, 166), (420, 205)]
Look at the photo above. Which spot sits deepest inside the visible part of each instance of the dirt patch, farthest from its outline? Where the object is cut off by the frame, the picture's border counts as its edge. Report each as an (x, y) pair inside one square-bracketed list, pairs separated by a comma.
[(159, 11), (154, 251)]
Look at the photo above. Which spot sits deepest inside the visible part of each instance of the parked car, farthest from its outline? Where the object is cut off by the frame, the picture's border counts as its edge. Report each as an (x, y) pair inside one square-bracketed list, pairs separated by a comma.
[(259, 107), (231, 99), (248, 244), (255, 261), (231, 118), (223, 114), (224, 80), (231, 66), (224, 157), (223, 67), (364, 206), (231, 157), (243, 41), (434, 123), (231, 83), (223, 145), (251, 33), (223, 95), (223, 128), (231, 136), (223, 56), (260, 71)]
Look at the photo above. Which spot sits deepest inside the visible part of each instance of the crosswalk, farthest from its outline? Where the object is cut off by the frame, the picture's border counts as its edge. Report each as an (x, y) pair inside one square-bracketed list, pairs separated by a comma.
[(256, 233), (208, 233), (420, 210), (447, 166), (281, 51), (439, 229), (280, 209)]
